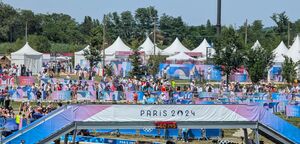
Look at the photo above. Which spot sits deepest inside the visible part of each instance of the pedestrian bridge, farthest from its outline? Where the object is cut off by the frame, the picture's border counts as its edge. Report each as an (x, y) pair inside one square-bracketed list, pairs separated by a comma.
[(74, 117)]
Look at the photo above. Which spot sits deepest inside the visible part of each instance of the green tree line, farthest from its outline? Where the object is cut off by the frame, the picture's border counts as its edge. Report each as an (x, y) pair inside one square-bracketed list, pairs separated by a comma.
[(57, 29)]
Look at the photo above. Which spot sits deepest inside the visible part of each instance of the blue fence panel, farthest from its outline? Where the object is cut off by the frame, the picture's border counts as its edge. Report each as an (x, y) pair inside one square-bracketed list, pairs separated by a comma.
[(128, 131), (104, 130), (172, 133), (151, 100), (213, 133), (152, 132), (195, 133)]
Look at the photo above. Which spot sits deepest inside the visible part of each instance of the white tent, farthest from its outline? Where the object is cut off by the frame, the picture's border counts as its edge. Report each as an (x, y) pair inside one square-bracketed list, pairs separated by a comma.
[(176, 47), (294, 51), (203, 48), (28, 56), (256, 45), (148, 47), (118, 45), (180, 56), (279, 52), (80, 59)]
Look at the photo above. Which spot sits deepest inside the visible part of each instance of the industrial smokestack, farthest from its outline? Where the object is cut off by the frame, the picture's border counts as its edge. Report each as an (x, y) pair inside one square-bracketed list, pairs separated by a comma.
[(219, 18)]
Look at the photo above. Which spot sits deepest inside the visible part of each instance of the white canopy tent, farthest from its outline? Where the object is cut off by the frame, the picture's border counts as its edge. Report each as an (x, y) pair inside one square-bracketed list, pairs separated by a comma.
[(28, 56), (176, 47), (203, 48), (180, 56), (118, 45), (148, 47), (294, 51), (80, 59), (256, 45), (279, 52)]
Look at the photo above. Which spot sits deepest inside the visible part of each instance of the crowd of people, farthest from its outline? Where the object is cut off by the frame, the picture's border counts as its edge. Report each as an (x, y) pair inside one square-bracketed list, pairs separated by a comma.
[(15, 70), (146, 84), (77, 81)]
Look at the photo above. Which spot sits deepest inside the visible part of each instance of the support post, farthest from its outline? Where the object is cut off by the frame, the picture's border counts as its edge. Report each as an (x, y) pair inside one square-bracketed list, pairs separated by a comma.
[(218, 17), (288, 42), (246, 32), (26, 32), (74, 134), (246, 140), (66, 138), (256, 136), (154, 37), (103, 43)]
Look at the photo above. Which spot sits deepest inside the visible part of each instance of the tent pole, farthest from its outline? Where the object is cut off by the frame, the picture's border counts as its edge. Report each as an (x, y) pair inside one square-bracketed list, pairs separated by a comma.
[(103, 44), (26, 32)]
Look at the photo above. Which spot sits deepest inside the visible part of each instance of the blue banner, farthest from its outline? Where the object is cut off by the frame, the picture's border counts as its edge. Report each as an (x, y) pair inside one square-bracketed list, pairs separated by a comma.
[(86, 95), (293, 111), (102, 140), (61, 95)]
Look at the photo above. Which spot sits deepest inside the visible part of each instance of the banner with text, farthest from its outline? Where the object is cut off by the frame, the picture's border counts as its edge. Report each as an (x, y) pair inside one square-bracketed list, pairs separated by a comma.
[(26, 80)]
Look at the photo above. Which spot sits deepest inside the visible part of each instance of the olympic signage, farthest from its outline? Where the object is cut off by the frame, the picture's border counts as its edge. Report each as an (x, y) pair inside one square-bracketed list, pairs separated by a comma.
[(164, 113), (26, 80)]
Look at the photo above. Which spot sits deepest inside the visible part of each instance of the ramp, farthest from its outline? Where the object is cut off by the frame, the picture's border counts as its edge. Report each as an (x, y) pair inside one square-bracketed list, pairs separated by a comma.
[(68, 118)]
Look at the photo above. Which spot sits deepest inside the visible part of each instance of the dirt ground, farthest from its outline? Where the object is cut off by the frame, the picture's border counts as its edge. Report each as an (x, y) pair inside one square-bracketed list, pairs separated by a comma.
[(227, 136)]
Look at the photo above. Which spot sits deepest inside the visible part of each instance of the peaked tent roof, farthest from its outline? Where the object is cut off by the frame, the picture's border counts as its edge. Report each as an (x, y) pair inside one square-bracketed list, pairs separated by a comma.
[(256, 45), (26, 49), (294, 51), (176, 46), (180, 56), (82, 51), (279, 52), (148, 47), (202, 47), (118, 45)]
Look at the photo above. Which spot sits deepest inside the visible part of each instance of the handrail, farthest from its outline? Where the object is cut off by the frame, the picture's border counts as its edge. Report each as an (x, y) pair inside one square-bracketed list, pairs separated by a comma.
[(262, 128), (60, 132), (33, 124)]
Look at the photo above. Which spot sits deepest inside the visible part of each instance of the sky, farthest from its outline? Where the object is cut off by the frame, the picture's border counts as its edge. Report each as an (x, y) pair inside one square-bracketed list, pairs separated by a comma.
[(193, 12)]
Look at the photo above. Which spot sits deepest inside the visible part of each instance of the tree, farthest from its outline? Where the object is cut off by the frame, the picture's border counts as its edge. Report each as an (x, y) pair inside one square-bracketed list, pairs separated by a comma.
[(108, 70), (145, 18), (128, 26), (39, 43), (61, 28), (87, 26), (93, 55), (188, 43), (229, 52), (7, 19), (289, 72), (136, 63), (282, 22), (153, 63), (171, 28), (96, 37), (258, 61)]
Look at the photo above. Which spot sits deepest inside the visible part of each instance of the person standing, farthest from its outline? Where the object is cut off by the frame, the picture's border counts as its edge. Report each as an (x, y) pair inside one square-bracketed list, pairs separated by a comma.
[(135, 97), (2, 97), (185, 134), (173, 84), (23, 70)]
